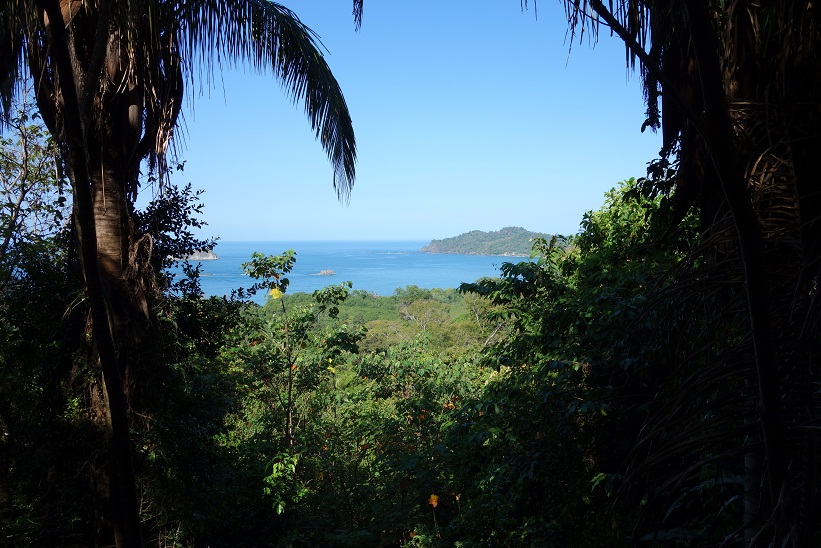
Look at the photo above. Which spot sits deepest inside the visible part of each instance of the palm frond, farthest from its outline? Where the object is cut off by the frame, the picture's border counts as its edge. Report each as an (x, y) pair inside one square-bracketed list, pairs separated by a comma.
[(358, 5), (270, 37), (14, 24)]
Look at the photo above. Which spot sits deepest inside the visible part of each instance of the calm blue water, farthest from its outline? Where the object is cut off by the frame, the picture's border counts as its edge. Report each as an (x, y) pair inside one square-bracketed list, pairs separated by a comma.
[(374, 266)]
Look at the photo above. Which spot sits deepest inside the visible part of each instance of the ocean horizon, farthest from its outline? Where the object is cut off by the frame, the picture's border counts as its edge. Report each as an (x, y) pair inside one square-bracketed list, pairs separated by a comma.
[(375, 266)]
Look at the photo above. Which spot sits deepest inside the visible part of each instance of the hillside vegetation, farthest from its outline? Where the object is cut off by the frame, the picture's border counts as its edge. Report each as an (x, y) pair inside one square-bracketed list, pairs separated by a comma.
[(497, 415), (512, 412), (512, 241)]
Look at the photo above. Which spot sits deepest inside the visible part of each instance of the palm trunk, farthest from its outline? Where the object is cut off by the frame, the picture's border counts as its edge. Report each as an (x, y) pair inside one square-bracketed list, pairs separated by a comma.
[(111, 221), (718, 135), (79, 144), (99, 262), (772, 300), (112, 237), (115, 235)]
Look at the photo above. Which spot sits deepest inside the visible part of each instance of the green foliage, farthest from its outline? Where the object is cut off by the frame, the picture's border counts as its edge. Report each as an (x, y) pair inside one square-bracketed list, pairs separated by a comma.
[(44, 431), (454, 324), (499, 415), (518, 446), (283, 485), (270, 270), (566, 400), (376, 447), (33, 207), (169, 220)]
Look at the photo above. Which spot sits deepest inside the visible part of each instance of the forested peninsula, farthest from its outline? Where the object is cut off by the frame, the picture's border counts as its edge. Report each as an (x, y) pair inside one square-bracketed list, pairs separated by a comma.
[(511, 241)]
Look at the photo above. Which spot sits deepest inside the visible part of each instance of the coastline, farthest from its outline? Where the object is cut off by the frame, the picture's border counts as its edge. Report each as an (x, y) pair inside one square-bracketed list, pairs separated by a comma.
[(477, 254), (374, 266)]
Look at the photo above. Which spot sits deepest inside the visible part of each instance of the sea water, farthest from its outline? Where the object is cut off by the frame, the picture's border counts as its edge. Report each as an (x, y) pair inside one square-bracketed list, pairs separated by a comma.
[(377, 267)]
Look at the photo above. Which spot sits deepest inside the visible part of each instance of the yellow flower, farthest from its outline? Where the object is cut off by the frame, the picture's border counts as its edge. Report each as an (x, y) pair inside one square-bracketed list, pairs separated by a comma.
[(433, 501), (276, 293)]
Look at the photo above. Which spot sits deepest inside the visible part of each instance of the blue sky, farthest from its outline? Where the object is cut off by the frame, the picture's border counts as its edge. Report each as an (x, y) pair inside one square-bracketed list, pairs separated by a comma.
[(468, 115)]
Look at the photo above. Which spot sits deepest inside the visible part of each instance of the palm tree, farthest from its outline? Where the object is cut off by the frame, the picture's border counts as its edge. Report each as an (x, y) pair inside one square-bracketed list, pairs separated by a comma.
[(740, 90), (109, 78)]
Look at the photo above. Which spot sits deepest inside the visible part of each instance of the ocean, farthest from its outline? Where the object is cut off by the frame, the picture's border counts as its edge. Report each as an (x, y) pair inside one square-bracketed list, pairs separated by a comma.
[(375, 266)]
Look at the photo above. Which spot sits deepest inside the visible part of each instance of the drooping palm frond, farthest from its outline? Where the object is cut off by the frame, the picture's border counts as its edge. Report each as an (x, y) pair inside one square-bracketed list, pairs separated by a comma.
[(10, 51), (269, 36), (693, 439), (156, 47), (14, 17), (358, 5)]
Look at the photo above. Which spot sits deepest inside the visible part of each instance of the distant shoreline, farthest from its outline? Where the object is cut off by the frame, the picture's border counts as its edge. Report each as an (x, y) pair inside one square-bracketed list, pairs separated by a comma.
[(508, 254)]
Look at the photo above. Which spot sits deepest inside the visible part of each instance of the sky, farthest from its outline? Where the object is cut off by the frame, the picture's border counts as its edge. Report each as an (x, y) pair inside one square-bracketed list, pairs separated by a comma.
[(469, 115)]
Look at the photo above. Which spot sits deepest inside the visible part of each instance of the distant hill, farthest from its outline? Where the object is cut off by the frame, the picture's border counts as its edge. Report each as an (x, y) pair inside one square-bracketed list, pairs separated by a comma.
[(511, 241)]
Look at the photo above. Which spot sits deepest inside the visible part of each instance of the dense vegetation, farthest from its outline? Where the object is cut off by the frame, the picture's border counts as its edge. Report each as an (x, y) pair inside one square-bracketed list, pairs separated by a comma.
[(511, 241), (503, 414), (651, 380), (497, 415)]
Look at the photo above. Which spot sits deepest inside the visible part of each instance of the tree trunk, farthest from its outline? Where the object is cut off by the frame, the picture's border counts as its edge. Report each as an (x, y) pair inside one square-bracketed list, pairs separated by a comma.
[(99, 262), (80, 143), (718, 135), (764, 194), (113, 236)]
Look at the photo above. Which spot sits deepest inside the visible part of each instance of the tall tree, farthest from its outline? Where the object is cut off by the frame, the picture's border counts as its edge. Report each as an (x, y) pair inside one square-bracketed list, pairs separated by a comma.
[(109, 79), (739, 85)]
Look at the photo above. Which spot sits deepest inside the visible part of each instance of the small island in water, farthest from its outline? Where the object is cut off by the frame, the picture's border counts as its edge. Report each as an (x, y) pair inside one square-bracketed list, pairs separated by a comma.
[(200, 255), (511, 241)]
